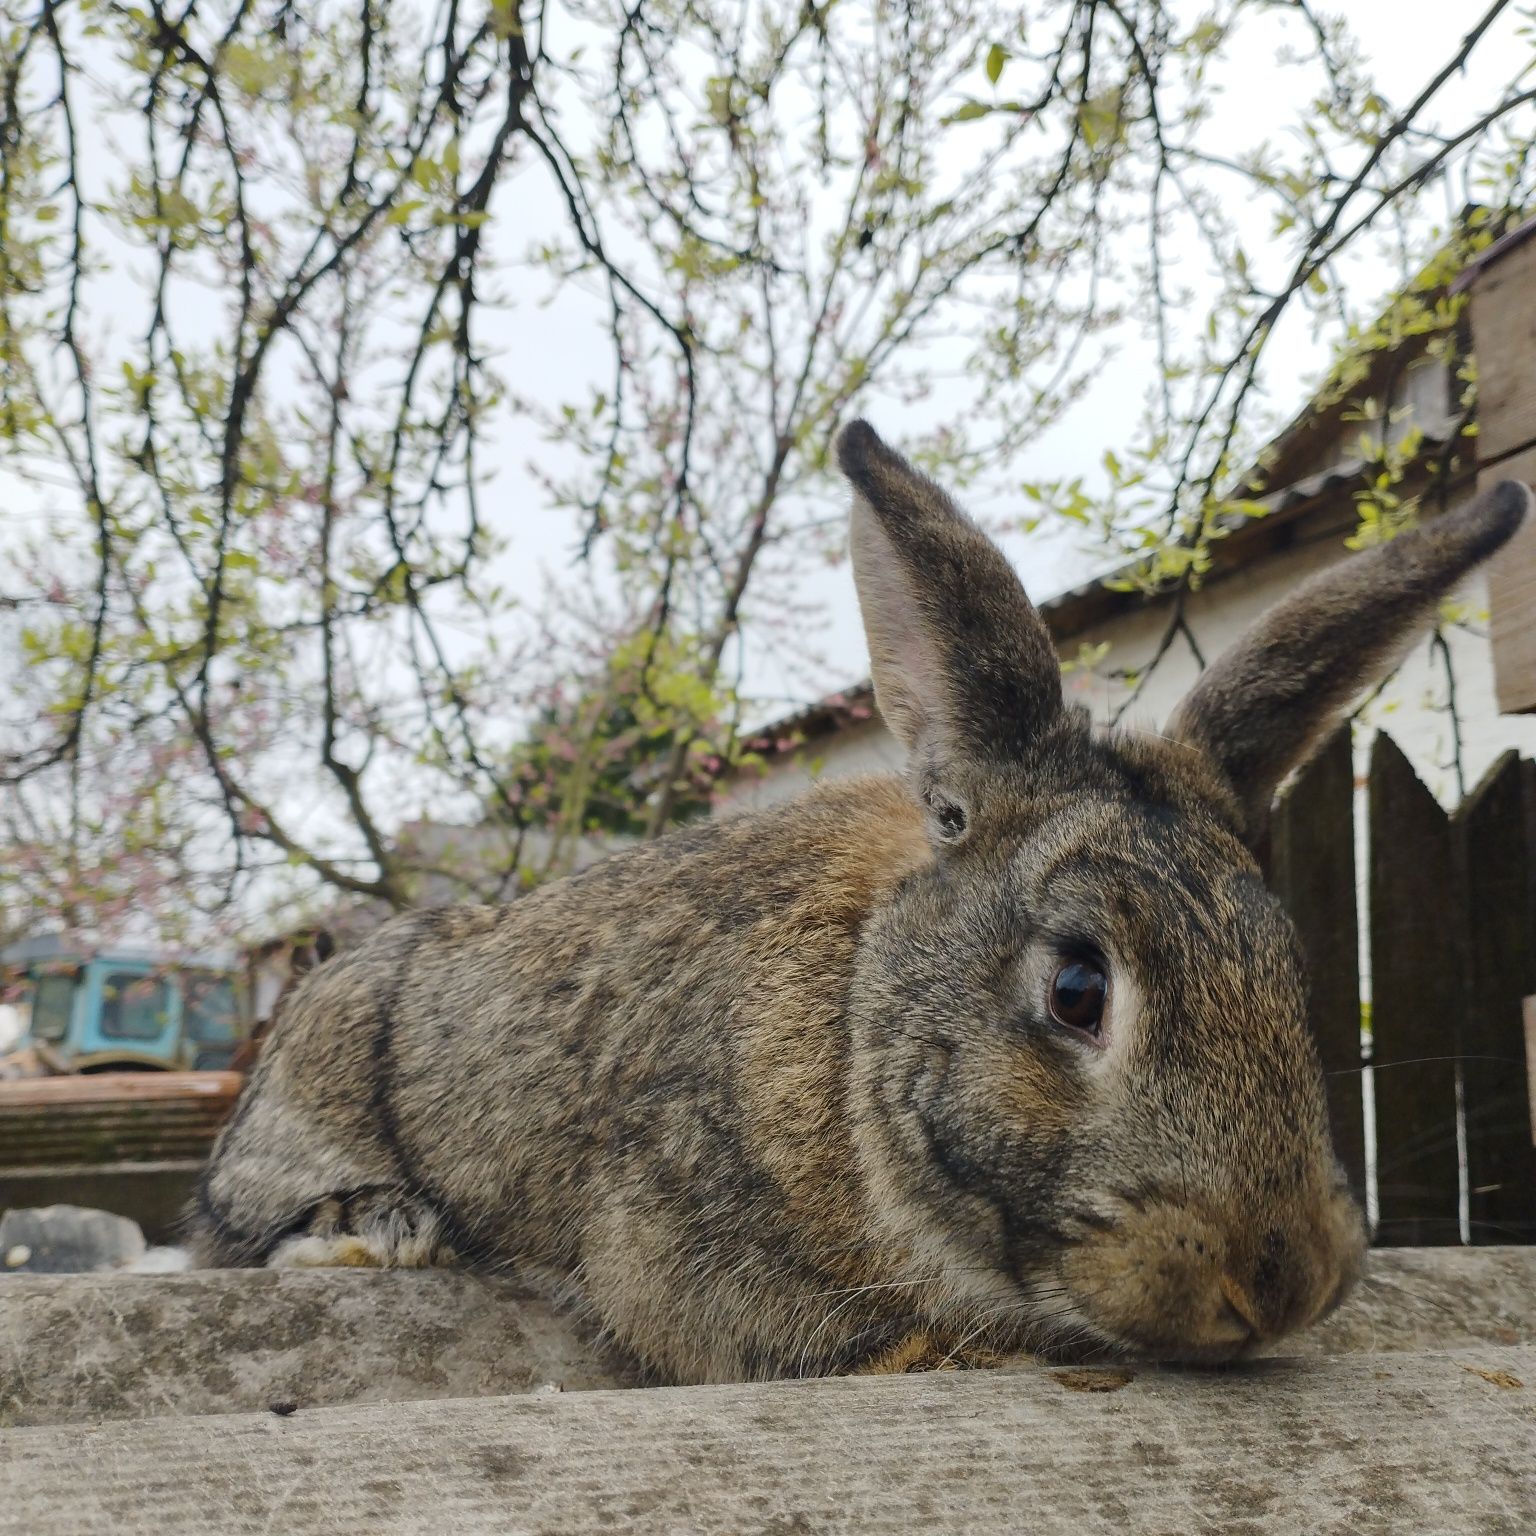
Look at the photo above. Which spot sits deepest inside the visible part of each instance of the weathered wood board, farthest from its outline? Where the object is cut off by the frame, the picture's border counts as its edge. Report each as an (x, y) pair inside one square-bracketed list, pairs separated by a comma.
[(1428, 1444), (1504, 338), (1416, 991), (112, 1117), (1312, 870)]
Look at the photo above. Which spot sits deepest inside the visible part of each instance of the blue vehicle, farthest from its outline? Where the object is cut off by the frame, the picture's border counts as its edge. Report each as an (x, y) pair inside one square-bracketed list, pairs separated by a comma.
[(101, 1010)]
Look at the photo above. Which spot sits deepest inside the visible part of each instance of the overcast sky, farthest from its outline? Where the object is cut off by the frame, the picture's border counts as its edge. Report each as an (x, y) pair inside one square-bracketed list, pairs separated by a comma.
[(1406, 42), (560, 338)]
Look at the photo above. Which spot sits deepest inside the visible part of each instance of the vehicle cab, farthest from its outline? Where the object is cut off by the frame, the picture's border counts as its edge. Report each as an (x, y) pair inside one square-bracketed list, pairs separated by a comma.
[(110, 1009)]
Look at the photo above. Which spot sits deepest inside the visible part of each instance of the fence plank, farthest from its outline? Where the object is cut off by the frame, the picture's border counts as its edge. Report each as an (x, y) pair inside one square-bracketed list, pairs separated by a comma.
[(1493, 865), (1415, 996), (1528, 793), (1528, 783), (1312, 870)]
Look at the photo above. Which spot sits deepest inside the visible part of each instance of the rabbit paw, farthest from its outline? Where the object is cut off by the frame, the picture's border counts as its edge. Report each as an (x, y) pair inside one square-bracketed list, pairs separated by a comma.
[(365, 1232), (328, 1253)]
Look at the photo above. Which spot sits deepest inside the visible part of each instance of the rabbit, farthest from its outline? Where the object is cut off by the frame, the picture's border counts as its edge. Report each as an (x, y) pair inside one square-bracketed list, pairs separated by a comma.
[(1005, 1055)]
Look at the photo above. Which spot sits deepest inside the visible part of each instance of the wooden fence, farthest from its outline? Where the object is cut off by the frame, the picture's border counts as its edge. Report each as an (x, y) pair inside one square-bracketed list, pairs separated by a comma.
[(1450, 911)]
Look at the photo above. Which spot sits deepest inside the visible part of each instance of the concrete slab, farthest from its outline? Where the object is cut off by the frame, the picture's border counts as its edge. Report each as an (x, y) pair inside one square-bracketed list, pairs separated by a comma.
[(80, 1347), (1440, 1445), (85, 1347)]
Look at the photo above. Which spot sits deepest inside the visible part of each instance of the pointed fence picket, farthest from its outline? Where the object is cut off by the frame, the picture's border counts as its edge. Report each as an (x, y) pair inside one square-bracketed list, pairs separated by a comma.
[(1448, 904)]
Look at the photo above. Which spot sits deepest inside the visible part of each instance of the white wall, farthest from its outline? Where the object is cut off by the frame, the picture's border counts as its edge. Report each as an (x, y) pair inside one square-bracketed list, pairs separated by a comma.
[(1412, 708), (865, 747)]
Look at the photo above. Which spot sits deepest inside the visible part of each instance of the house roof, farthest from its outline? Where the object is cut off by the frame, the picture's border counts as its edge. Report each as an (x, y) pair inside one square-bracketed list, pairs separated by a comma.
[(1493, 255)]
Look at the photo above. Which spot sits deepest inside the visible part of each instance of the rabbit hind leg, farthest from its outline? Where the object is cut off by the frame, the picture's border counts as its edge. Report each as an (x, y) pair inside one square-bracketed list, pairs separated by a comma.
[(926, 1349)]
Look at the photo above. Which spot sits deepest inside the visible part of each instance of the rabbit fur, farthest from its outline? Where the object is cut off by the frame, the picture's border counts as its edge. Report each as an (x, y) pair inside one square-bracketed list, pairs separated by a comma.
[(784, 1093)]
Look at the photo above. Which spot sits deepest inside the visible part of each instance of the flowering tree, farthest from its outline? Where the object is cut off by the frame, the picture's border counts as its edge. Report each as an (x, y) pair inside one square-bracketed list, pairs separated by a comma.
[(253, 257)]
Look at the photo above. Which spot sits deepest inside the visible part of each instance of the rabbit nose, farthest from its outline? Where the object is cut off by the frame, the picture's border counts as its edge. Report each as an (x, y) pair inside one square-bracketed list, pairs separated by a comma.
[(1281, 1286), (1190, 1280), (1279, 1279)]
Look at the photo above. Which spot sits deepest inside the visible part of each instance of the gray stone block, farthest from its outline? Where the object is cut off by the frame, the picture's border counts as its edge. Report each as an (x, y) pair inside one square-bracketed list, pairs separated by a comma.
[(66, 1239)]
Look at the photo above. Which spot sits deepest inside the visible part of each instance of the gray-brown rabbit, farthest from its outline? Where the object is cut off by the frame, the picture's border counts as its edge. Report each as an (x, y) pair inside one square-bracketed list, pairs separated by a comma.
[(1008, 1053)]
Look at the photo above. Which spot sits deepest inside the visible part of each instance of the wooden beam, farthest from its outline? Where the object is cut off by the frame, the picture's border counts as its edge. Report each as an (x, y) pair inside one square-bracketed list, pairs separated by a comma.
[(112, 1117), (36, 1094), (1433, 1444), (1504, 341), (1512, 597), (1503, 319)]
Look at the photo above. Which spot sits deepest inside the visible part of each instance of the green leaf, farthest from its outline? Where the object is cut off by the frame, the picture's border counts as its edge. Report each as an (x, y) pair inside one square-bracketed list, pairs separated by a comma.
[(251, 69), (968, 112), (997, 56), (1100, 119)]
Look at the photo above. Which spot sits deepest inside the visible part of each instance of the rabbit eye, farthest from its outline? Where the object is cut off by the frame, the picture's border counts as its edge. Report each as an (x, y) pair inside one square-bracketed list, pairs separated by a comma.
[(1077, 996)]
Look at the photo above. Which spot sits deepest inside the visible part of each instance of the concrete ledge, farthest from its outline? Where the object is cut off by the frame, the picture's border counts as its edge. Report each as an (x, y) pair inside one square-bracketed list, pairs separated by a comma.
[(1439, 1445), (74, 1348), (1431, 1298), (78, 1348)]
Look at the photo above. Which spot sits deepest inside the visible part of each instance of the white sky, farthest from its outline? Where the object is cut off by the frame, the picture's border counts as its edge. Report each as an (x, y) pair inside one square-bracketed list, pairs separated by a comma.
[(560, 337), (1405, 42)]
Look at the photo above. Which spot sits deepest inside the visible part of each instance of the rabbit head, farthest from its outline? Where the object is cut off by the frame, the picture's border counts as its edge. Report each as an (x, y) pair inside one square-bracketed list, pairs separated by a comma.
[(1085, 1089)]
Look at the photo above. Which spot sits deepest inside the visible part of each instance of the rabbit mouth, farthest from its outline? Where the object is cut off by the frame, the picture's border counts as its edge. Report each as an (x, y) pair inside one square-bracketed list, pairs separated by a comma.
[(1175, 1282), (1065, 1333)]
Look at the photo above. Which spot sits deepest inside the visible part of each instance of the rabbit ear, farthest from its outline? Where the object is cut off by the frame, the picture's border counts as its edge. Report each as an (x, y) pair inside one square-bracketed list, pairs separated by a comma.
[(963, 665), (1262, 706)]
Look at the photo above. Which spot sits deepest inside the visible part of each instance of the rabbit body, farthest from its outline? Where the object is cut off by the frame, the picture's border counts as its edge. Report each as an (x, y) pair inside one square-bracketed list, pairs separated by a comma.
[(637, 1079), (1009, 1053)]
